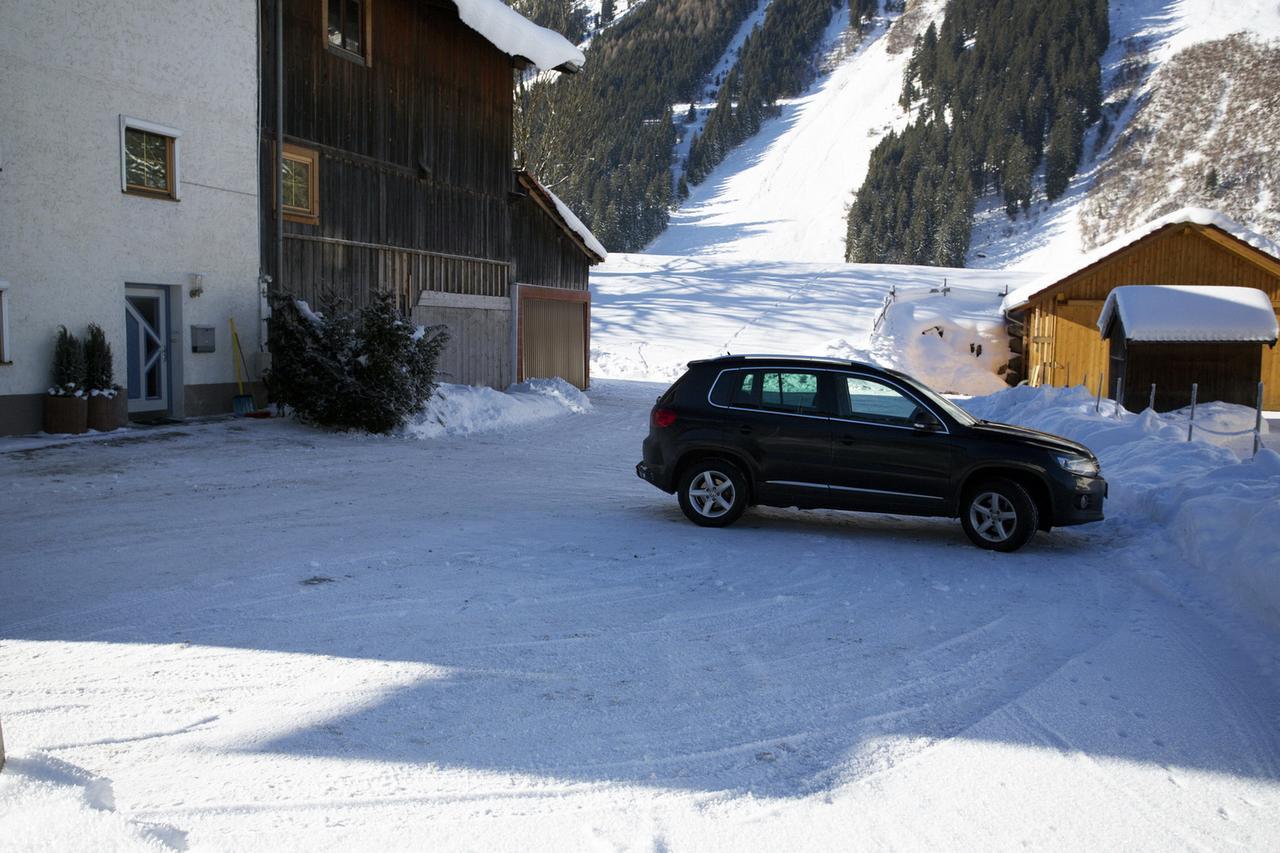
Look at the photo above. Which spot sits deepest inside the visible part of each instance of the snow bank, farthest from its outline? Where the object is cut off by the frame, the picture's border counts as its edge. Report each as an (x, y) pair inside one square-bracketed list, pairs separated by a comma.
[(953, 342), (515, 35), (1166, 312), (48, 804), (465, 410), (1221, 511)]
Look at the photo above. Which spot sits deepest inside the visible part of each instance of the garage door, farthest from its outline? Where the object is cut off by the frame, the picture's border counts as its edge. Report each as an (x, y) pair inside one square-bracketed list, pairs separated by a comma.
[(554, 340)]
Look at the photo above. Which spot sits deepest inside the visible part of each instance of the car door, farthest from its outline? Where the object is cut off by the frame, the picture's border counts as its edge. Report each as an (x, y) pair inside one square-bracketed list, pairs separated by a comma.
[(890, 451), (780, 418)]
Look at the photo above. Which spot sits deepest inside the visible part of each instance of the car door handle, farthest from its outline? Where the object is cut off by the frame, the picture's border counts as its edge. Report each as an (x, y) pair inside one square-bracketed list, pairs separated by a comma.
[(745, 429), (848, 440)]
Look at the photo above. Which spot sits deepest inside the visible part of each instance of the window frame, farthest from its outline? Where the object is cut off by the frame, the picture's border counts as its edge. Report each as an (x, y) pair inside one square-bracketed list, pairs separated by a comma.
[(6, 356), (365, 56), (302, 154), (173, 138), (847, 412)]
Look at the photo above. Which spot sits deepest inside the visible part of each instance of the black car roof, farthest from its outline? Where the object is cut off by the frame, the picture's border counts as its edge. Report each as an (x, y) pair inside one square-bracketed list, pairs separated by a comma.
[(790, 360)]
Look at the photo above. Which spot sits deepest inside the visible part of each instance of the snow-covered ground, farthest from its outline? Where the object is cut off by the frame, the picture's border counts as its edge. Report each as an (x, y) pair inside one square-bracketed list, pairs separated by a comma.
[(782, 194), (651, 314), (252, 635)]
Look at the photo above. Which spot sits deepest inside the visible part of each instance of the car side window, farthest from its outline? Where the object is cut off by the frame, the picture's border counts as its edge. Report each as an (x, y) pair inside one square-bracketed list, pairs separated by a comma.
[(869, 400), (790, 391)]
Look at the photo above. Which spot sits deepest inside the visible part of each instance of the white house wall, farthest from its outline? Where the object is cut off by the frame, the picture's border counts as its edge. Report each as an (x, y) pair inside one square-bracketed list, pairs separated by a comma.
[(70, 239)]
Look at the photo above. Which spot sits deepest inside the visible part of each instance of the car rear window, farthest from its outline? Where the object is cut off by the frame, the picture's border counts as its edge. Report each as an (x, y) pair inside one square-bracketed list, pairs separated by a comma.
[(734, 388)]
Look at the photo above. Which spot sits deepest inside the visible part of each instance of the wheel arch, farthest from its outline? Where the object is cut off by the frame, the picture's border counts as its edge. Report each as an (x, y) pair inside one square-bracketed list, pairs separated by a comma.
[(697, 454), (1029, 478)]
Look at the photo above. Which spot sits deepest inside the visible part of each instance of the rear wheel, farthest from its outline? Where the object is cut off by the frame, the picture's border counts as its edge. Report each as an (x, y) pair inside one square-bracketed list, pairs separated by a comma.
[(713, 493), (999, 515)]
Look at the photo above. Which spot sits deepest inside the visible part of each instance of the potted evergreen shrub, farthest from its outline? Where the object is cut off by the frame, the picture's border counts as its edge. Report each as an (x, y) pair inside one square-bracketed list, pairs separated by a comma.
[(66, 409), (108, 405)]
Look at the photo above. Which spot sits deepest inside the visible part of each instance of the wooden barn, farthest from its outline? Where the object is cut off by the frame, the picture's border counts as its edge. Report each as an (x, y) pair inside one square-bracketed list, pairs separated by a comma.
[(1054, 319), (1165, 338), (391, 129)]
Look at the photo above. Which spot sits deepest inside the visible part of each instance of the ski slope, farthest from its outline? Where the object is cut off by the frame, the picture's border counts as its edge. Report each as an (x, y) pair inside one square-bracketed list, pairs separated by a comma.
[(782, 194)]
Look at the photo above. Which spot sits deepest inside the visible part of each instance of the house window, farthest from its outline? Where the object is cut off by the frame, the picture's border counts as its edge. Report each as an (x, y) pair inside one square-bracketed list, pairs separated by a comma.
[(148, 158), (299, 180), (347, 28), (5, 357)]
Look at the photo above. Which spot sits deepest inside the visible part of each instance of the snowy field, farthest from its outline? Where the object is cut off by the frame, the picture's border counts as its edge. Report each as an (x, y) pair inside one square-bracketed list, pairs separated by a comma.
[(252, 635), (652, 314)]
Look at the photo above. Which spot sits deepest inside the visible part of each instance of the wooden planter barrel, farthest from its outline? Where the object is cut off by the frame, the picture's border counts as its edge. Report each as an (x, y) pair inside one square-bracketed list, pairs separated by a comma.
[(65, 415), (108, 413)]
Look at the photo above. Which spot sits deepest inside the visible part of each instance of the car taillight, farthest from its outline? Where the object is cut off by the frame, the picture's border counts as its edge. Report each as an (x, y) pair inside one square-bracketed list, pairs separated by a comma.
[(663, 417)]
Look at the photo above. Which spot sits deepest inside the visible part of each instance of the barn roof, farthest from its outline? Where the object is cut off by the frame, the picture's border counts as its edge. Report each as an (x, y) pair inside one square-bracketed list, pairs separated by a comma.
[(519, 37), (1181, 314), (564, 217), (1187, 215)]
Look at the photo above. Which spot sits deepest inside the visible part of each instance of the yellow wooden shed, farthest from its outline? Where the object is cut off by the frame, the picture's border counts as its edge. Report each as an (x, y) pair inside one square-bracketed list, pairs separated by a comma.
[(1056, 315)]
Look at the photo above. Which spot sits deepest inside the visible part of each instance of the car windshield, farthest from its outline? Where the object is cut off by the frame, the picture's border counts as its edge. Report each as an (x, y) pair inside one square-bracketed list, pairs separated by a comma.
[(963, 417)]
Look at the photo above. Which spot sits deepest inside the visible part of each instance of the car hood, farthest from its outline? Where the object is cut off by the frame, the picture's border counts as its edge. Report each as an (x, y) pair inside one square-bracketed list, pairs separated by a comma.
[(1024, 435)]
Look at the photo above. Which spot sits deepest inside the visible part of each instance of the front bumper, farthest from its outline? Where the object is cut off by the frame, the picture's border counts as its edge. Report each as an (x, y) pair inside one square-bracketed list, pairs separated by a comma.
[(1081, 502)]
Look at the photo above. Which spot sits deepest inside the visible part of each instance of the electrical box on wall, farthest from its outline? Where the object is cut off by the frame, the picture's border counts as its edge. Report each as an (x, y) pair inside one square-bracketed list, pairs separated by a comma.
[(202, 339)]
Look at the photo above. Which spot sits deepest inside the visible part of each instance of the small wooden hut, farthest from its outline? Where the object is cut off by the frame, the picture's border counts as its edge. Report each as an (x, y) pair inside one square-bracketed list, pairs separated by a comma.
[(1170, 338)]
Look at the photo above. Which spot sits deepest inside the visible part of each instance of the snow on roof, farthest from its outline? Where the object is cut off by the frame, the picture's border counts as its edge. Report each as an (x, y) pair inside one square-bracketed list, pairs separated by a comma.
[(1166, 312), (516, 35), (567, 216), (1193, 215)]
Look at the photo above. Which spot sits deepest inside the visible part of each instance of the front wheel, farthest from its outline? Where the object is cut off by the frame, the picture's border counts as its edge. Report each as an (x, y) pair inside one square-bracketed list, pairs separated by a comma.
[(713, 493), (999, 515)]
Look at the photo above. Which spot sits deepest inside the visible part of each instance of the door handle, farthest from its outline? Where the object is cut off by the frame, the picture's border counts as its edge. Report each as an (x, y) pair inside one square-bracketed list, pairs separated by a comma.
[(745, 429), (848, 440)]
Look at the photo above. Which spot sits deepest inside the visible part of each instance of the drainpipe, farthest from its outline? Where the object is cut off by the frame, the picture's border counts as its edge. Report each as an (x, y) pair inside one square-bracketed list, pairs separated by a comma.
[(279, 174)]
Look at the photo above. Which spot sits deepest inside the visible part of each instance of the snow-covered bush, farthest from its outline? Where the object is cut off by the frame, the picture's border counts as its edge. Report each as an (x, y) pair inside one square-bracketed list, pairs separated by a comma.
[(367, 370), (99, 371), (68, 365)]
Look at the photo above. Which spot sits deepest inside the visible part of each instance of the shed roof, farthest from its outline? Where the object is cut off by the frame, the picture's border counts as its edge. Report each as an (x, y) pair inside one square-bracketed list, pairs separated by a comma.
[(1187, 215), (519, 37), (563, 217), (1181, 314)]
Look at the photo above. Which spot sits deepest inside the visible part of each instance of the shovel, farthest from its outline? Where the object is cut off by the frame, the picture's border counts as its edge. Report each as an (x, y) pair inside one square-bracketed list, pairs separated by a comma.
[(242, 404)]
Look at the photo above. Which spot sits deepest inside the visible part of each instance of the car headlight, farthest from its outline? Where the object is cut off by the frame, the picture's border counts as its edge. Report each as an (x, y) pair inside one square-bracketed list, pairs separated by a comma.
[(1079, 465)]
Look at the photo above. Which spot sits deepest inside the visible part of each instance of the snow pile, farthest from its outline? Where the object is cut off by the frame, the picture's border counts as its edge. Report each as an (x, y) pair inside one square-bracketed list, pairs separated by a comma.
[(954, 342), (516, 35), (1164, 312), (1189, 215), (48, 804), (1223, 512), (457, 410)]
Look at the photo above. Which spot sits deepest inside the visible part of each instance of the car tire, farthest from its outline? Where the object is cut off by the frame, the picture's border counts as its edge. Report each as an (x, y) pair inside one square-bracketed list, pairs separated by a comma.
[(713, 493), (999, 515)]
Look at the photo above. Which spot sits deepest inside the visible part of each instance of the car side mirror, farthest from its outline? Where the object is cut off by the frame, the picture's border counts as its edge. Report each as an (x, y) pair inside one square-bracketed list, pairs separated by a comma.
[(925, 421)]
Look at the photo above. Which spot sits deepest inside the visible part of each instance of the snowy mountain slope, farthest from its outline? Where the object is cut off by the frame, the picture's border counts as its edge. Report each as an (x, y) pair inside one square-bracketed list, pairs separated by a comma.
[(783, 193), (1210, 121)]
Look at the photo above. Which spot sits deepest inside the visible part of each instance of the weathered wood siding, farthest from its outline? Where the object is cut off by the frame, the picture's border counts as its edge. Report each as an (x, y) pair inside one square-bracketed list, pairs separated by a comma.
[(415, 155), (479, 348), (543, 254), (1063, 345)]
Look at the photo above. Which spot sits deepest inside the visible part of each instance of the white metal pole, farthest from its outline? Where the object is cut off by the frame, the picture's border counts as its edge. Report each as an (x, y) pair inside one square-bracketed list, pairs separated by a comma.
[(1151, 401), (1191, 424), (1257, 424)]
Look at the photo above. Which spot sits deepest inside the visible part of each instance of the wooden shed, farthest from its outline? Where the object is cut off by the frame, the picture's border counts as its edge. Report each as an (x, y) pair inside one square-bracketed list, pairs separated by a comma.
[(552, 253), (1055, 318), (1167, 338)]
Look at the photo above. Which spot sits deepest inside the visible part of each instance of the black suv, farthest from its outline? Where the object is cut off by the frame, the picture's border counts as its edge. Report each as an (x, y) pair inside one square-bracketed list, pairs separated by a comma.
[(825, 433)]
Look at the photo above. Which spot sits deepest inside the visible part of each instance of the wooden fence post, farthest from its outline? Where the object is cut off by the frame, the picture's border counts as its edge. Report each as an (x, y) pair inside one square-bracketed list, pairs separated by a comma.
[(1119, 396), (1097, 404)]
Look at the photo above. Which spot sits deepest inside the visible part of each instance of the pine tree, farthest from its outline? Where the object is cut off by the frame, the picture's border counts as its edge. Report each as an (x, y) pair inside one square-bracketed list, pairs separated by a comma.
[(68, 364)]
